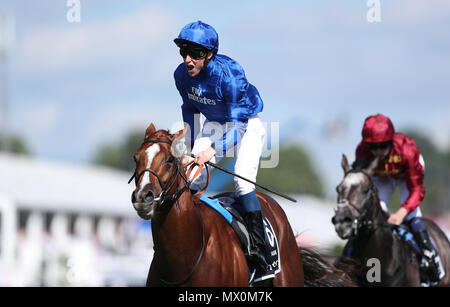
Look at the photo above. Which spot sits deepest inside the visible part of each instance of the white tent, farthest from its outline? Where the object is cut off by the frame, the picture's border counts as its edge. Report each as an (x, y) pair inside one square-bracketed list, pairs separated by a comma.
[(80, 194), (54, 186)]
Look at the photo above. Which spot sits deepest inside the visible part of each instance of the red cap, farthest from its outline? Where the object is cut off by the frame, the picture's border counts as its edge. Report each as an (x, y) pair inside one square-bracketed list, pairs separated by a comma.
[(378, 129)]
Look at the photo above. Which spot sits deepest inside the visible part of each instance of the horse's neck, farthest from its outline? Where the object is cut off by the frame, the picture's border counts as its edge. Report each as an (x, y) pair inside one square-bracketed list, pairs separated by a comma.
[(378, 234), (178, 227), (377, 215)]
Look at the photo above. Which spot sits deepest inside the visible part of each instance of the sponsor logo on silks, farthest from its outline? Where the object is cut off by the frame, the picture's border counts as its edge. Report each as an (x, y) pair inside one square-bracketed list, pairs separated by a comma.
[(195, 95), (391, 167)]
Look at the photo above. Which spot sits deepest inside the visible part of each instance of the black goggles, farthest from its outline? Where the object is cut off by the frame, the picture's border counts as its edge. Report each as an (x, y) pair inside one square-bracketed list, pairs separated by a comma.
[(195, 53), (382, 145)]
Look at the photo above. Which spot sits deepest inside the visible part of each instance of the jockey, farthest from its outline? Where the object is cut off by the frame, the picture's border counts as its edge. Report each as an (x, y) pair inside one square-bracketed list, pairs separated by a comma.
[(401, 165), (215, 85)]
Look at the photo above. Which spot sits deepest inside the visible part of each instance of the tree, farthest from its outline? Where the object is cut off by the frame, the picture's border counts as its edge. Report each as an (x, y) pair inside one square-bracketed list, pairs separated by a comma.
[(14, 144), (294, 174), (120, 155)]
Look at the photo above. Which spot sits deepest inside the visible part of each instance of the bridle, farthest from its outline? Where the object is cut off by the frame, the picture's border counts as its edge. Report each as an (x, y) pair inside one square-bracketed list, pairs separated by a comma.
[(364, 224), (361, 221), (164, 197)]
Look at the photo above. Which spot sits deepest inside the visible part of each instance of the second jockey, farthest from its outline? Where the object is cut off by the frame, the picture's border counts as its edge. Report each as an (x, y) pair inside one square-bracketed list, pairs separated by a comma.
[(401, 165)]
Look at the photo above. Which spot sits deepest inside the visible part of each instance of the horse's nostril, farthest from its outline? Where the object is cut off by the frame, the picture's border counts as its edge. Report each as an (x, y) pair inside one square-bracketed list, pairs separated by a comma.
[(133, 197)]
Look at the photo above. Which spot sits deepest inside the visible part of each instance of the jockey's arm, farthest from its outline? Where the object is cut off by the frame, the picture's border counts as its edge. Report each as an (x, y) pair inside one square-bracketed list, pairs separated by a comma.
[(234, 93), (414, 175)]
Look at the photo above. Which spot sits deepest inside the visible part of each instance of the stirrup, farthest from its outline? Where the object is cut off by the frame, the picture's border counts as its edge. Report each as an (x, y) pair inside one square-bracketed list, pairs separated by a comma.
[(430, 268)]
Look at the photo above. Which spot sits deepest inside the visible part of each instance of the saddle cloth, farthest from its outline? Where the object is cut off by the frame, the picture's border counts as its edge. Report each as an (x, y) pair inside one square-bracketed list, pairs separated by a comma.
[(229, 208), (405, 234)]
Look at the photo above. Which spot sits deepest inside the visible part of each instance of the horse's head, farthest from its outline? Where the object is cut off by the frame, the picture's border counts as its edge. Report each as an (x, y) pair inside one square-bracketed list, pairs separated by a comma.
[(356, 194), (157, 171)]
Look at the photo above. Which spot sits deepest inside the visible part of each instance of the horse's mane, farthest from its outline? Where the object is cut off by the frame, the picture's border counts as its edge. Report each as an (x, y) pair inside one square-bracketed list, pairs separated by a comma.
[(360, 164)]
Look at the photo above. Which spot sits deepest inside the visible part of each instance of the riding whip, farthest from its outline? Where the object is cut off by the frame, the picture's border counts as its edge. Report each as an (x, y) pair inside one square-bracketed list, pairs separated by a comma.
[(248, 180)]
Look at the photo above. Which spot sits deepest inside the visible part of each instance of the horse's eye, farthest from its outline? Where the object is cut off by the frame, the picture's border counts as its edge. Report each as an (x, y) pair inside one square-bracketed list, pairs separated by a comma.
[(170, 160)]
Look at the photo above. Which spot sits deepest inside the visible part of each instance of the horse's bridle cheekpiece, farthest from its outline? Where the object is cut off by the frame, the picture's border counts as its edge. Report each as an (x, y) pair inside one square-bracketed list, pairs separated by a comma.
[(361, 221), (163, 197)]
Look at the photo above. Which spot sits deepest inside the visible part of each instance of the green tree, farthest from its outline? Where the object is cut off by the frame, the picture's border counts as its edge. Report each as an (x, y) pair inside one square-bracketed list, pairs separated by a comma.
[(120, 155), (14, 144), (293, 174)]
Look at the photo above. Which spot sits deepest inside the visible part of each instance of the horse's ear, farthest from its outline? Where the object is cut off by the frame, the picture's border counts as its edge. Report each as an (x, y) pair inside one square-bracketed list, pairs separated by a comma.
[(180, 134), (150, 130), (344, 164), (372, 167), (177, 149)]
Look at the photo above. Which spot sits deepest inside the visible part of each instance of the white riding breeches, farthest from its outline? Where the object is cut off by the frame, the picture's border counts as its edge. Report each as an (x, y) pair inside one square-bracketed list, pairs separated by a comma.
[(248, 153)]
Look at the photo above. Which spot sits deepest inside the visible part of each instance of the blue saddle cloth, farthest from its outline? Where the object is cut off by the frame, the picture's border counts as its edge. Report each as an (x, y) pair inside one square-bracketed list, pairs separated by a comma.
[(230, 209)]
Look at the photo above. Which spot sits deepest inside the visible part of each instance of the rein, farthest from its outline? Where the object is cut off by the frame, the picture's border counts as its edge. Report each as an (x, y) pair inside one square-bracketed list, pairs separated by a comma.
[(164, 197), (362, 222)]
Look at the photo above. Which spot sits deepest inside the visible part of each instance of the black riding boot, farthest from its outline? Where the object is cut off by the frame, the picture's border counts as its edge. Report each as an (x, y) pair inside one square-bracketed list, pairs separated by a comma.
[(429, 263), (257, 241)]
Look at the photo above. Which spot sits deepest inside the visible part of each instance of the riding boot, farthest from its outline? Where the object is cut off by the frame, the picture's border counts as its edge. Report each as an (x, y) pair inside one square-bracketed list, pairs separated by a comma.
[(257, 241), (254, 222), (429, 262)]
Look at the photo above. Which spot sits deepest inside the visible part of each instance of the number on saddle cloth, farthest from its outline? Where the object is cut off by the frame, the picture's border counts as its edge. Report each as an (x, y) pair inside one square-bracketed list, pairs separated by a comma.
[(229, 208)]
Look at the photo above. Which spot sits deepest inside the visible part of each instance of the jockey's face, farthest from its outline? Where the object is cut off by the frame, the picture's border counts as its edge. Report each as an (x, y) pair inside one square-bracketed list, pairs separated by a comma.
[(381, 150), (193, 66)]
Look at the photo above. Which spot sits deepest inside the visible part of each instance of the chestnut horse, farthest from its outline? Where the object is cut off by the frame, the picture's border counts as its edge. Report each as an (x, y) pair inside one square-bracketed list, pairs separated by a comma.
[(194, 245)]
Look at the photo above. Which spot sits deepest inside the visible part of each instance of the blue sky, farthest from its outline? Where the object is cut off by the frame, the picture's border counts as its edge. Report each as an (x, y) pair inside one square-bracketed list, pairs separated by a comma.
[(320, 67)]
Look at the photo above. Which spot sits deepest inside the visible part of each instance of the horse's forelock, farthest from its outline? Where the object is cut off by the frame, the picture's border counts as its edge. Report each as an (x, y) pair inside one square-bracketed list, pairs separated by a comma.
[(158, 135)]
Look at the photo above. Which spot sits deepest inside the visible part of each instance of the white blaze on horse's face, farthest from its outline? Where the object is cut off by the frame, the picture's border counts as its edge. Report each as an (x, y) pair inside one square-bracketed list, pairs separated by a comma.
[(145, 210), (152, 151), (351, 180)]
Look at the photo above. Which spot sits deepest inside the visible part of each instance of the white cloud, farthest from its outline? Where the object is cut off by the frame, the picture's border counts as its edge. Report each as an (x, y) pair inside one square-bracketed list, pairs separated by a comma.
[(121, 118), (38, 121), (41, 118), (416, 11), (132, 38)]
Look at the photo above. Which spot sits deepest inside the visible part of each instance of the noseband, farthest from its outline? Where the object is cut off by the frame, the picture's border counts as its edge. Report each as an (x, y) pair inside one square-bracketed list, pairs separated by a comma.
[(361, 221), (164, 197)]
